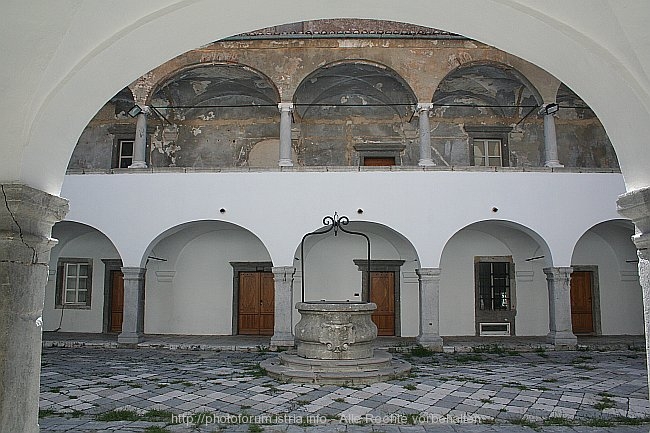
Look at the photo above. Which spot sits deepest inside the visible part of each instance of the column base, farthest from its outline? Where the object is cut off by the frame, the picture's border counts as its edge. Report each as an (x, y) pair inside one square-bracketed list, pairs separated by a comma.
[(433, 342), (562, 339), (138, 164), (553, 164), (426, 163), (130, 338), (285, 163), (282, 340)]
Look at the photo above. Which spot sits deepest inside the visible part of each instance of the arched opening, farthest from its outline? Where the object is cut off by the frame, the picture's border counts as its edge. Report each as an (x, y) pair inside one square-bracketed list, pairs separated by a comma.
[(352, 112), (492, 281), (336, 270), (605, 291), (85, 291), (193, 281)]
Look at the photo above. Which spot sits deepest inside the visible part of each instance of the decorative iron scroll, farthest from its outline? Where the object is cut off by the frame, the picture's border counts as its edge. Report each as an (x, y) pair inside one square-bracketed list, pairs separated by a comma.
[(335, 223)]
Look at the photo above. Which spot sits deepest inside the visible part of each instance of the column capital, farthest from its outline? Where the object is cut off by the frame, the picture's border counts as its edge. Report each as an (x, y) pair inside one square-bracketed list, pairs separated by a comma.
[(133, 273), (557, 272), (424, 106), (635, 205), (285, 106), (279, 271), (428, 273)]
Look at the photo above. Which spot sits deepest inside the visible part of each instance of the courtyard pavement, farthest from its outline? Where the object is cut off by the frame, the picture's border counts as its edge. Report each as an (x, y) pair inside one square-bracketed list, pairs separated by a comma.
[(488, 389)]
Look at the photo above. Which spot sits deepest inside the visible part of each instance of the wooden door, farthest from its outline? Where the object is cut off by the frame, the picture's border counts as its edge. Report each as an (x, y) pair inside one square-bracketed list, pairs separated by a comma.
[(582, 317), (382, 293), (256, 303), (117, 301), (375, 161)]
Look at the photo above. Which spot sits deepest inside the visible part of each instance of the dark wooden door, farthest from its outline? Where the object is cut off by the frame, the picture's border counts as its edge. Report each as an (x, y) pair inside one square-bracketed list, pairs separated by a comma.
[(382, 293), (582, 317), (373, 161), (256, 303), (117, 301)]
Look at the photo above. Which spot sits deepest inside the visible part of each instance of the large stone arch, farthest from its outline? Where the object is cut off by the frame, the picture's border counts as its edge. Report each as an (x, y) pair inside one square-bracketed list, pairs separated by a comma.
[(61, 86)]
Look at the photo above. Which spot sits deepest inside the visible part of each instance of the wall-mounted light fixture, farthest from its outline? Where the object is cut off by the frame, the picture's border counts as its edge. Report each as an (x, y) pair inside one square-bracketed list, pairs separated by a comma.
[(135, 110), (549, 109)]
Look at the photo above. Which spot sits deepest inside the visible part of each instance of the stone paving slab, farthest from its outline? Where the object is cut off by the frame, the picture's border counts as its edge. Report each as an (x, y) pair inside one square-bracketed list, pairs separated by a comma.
[(482, 391)]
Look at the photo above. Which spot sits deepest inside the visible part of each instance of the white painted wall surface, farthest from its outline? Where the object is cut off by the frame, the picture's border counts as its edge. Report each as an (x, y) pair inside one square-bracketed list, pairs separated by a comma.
[(409, 215), (426, 208)]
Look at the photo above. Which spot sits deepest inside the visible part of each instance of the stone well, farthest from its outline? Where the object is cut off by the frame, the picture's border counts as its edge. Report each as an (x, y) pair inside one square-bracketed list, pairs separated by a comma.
[(334, 345)]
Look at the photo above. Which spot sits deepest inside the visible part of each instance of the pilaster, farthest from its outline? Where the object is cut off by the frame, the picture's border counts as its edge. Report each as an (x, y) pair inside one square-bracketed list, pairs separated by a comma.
[(635, 205), (26, 219), (559, 306), (429, 336), (133, 318), (283, 278)]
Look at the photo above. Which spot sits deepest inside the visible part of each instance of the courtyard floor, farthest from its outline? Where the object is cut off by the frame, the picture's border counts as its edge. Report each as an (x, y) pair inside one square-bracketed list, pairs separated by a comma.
[(486, 389)]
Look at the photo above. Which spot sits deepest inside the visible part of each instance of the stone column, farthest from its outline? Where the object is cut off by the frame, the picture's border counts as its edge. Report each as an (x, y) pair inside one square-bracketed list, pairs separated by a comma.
[(133, 317), (559, 306), (285, 134), (429, 336), (425, 135), (282, 335), (551, 158), (635, 205), (26, 219), (140, 142)]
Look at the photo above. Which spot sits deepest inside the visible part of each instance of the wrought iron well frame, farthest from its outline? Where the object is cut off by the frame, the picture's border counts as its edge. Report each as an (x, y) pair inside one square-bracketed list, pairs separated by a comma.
[(335, 223)]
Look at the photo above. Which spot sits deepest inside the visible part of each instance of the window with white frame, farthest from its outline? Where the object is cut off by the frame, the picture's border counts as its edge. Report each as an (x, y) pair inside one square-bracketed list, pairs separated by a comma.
[(125, 153), (74, 283), (487, 152), (488, 145)]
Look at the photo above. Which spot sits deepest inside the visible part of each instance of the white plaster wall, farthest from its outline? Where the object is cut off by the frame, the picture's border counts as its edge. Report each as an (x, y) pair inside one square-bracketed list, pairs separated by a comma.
[(425, 207), (95, 246), (198, 299), (621, 302)]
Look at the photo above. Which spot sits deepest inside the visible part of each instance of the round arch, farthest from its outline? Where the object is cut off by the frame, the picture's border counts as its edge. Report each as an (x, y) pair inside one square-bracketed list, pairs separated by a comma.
[(512, 258), (580, 35), (336, 268), (498, 77)]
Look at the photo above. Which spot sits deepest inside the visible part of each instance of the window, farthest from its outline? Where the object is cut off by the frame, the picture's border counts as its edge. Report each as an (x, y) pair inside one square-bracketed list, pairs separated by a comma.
[(74, 283), (493, 285), (495, 303), (488, 145), (487, 152), (125, 153)]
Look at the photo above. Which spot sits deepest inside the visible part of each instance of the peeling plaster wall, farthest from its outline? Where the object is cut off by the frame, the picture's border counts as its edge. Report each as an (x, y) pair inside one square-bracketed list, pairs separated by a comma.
[(270, 71)]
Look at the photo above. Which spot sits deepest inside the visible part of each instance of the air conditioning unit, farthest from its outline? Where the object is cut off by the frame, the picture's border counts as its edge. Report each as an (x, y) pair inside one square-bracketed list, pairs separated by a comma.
[(494, 329)]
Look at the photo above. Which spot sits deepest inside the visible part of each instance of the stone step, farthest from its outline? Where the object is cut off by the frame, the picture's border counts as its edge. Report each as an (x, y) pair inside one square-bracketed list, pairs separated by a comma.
[(289, 367)]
